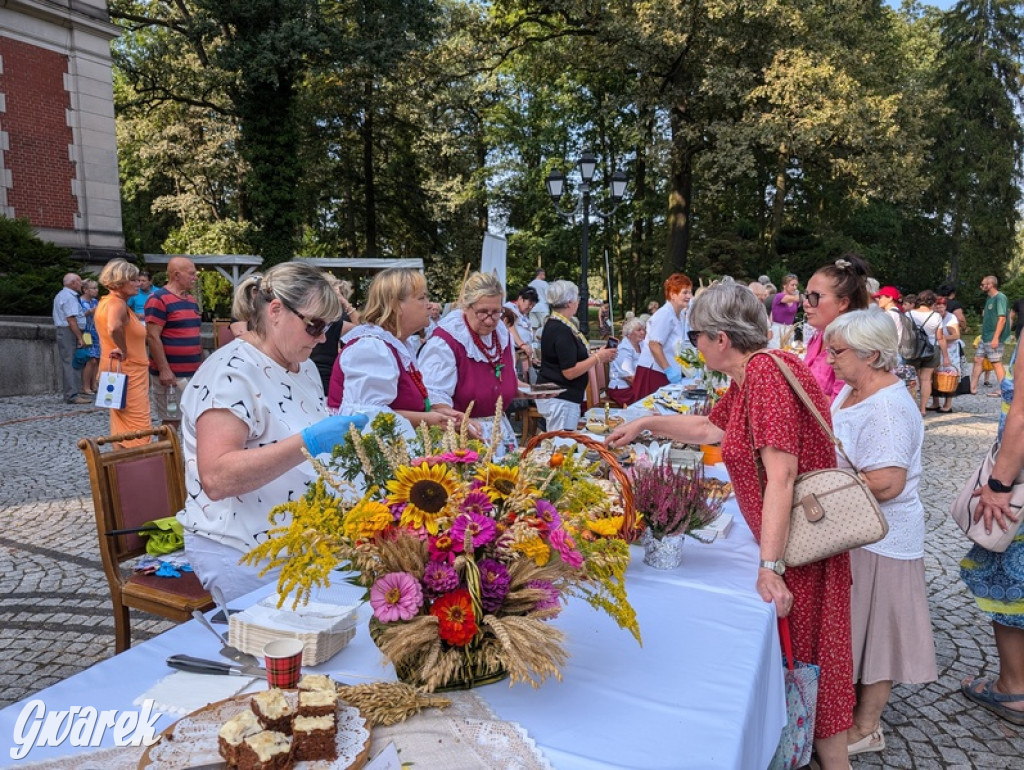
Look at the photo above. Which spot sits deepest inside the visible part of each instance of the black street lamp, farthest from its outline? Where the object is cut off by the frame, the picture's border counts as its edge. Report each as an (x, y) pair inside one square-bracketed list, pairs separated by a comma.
[(556, 187)]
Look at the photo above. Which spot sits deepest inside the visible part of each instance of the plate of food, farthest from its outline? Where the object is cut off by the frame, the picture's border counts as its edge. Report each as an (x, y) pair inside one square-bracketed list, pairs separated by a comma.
[(717, 488), (540, 390), (309, 728)]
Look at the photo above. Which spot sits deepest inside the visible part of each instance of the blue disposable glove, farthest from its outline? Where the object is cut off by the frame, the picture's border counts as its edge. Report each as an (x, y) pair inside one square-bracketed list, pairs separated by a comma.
[(322, 437), (674, 374)]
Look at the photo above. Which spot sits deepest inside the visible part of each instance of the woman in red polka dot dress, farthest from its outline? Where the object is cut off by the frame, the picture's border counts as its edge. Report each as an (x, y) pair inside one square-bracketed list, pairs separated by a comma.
[(728, 325)]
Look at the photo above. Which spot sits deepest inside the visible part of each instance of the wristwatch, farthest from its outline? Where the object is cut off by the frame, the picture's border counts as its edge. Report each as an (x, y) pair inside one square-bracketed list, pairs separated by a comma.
[(997, 486), (778, 566)]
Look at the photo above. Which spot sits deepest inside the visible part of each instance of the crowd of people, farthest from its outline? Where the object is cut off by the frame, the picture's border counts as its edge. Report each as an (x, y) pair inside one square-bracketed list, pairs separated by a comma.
[(251, 411)]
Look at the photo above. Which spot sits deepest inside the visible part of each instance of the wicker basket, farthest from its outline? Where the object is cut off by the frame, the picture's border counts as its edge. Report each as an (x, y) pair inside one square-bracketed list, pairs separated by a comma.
[(629, 524), (945, 381), (473, 670)]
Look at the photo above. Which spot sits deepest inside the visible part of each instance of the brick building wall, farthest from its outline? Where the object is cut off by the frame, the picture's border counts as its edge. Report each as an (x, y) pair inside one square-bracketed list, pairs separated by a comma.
[(38, 142), (58, 154)]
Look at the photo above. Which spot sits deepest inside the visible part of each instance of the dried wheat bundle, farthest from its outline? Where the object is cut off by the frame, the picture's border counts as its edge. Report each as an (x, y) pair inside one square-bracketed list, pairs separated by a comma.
[(388, 703)]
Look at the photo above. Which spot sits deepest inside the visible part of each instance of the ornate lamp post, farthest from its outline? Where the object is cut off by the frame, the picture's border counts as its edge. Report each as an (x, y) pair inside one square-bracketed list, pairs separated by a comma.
[(556, 187)]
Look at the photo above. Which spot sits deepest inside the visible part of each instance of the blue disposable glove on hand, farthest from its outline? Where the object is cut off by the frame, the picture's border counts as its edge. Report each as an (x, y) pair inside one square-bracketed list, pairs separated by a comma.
[(322, 437), (674, 374)]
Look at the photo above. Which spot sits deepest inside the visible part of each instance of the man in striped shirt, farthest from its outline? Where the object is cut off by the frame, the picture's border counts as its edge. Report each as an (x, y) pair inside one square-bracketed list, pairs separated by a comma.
[(174, 333)]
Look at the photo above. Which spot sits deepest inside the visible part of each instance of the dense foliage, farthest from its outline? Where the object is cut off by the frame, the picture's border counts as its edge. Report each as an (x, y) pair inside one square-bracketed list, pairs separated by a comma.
[(759, 137), (31, 270)]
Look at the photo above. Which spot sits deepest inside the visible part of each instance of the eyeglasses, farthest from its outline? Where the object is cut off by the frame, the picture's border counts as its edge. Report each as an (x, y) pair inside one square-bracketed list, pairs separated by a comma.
[(834, 352), (812, 298), (693, 335), (488, 313), (314, 326)]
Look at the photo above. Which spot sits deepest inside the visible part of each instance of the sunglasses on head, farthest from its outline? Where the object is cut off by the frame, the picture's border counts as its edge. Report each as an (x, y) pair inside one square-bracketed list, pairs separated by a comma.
[(314, 326)]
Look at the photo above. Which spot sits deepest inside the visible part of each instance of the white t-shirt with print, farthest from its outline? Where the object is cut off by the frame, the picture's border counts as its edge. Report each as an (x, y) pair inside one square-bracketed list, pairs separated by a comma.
[(274, 404), (886, 430)]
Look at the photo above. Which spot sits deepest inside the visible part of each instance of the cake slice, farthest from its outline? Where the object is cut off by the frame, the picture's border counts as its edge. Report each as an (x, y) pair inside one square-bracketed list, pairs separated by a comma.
[(314, 738), (316, 682), (273, 710), (317, 703), (267, 750), (233, 732)]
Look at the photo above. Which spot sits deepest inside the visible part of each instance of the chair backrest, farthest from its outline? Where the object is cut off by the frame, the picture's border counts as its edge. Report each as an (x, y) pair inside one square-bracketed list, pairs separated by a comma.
[(597, 384), (131, 486), (222, 333)]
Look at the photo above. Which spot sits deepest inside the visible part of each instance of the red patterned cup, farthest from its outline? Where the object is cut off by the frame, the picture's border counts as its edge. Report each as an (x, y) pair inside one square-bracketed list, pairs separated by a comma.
[(284, 662)]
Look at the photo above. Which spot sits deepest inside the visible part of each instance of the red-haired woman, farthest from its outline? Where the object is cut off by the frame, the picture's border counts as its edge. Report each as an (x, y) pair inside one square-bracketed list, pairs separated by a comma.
[(666, 333)]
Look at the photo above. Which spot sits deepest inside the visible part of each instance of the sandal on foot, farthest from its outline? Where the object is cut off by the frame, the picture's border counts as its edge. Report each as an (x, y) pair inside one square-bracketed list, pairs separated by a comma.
[(932, 409), (945, 411), (873, 741), (988, 698)]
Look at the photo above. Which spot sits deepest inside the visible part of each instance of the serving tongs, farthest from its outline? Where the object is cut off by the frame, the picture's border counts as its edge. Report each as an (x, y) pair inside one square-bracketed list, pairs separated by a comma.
[(233, 653)]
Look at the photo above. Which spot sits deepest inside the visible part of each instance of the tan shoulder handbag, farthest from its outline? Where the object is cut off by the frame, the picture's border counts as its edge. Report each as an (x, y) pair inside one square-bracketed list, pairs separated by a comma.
[(833, 509)]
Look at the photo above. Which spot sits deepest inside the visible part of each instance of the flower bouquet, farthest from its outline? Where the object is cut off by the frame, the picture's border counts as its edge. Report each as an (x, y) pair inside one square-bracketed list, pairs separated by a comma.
[(672, 502), (465, 559)]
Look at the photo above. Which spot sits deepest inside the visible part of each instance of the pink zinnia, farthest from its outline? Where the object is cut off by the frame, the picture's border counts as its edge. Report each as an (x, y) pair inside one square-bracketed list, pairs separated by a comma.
[(562, 542), (441, 547), (477, 502), (548, 514), (480, 529), (396, 596)]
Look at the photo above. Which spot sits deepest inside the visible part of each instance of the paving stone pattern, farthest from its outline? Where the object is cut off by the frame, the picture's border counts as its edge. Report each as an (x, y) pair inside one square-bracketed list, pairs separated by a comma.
[(55, 616)]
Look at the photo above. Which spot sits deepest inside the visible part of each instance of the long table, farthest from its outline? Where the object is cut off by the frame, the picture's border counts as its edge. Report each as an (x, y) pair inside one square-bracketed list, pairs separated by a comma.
[(704, 691)]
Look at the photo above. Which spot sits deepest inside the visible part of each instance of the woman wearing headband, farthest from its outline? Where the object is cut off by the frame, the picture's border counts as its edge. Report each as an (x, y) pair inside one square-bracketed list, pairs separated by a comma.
[(249, 414)]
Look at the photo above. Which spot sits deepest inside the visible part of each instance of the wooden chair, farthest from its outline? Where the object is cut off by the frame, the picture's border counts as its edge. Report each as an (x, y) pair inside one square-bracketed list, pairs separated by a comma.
[(222, 333), (597, 386), (131, 486)]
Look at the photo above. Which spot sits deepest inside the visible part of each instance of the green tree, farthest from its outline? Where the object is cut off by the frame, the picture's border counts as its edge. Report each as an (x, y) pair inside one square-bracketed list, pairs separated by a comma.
[(978, 137)]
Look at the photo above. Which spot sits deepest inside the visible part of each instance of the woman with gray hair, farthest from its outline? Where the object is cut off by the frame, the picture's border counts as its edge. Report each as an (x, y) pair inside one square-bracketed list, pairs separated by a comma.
[(620, 378), (565, 359), (470, 358), (248, 414), (882, 433), (768, 437)]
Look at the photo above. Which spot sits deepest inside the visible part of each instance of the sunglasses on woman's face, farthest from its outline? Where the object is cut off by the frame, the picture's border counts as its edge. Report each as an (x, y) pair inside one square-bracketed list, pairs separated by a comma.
[(314, 326), (693, 335), (812, 298)]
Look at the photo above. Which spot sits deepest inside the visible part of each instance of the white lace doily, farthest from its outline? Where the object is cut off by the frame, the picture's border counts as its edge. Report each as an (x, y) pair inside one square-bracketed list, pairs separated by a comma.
[(193, 739)]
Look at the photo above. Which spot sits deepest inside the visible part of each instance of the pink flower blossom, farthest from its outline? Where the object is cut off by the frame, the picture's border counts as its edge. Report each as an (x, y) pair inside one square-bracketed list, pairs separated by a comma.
[(547, 513), (477, 502), (562, 542), (439, 577), (480, 529), (441, 547), (494, 583), (396, 596)]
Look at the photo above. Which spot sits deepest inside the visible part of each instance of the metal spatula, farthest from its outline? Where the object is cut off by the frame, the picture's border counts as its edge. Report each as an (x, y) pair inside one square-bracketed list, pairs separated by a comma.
[(233, 653)]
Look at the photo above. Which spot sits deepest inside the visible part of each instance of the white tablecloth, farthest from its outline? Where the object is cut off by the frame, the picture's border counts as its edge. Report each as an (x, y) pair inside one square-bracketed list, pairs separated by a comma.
[(704, 691)]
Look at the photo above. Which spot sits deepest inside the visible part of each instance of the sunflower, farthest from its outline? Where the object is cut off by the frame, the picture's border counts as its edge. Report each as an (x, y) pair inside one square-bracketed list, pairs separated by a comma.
[(425, 490), (499, 482)]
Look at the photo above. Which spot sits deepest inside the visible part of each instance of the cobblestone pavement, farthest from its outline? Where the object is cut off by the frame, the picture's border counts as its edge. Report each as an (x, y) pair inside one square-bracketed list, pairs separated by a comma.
[(55, 616)]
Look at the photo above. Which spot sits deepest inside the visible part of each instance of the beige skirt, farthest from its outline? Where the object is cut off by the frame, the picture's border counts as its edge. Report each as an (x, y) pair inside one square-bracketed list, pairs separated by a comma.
[(892, 631)]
